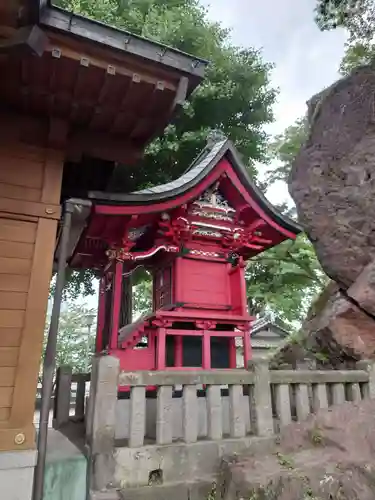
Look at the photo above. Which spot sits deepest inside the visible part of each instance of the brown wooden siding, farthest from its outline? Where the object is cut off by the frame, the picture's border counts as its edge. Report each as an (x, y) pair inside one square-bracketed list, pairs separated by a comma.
[(10, 337), (15, 269), (31, 176)]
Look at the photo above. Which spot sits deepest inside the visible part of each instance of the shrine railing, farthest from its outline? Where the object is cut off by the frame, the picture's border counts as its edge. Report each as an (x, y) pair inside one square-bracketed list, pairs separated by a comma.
[(70, 395), (173, 418), (218, 404)]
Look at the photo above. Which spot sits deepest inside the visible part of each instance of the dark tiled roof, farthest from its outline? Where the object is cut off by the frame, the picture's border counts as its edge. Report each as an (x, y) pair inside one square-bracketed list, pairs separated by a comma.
[(199, 169), (266, 322), (193, 171)]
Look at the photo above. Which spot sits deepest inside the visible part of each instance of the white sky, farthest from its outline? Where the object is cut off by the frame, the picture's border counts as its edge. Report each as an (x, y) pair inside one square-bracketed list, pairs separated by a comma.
[(306, 60)]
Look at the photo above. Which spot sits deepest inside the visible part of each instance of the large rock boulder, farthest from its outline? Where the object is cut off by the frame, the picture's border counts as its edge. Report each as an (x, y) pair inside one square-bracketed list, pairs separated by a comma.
[(329, 456), (333, 177), (362, 291), (336, 331)]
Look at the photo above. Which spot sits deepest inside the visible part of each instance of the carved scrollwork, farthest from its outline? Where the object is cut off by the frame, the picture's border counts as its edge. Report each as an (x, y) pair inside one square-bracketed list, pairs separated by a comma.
[(245, 238), (177, 230), (205, 324), (162, 322)]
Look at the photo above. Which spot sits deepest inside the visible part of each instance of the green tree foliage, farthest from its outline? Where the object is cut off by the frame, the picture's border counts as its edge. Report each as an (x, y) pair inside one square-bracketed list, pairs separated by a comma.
[(77, 284), (284, 280), (235, 96), (142, 297), (358, 18), (284, 148), (75, 341)]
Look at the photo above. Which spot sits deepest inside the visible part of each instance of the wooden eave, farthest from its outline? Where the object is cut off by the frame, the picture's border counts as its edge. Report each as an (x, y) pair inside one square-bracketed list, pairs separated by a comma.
[(113, 91)]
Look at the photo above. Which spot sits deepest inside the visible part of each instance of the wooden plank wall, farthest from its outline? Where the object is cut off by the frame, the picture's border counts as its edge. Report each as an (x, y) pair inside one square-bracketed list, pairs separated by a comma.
[(30, 181)]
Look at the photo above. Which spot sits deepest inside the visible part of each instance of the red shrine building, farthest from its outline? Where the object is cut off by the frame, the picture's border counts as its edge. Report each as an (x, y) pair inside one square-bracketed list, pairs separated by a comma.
[(194, 235)]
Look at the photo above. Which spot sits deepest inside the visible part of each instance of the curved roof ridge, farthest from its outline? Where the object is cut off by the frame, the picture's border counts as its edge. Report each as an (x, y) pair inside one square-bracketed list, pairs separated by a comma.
[(200, 168), (200, 163)]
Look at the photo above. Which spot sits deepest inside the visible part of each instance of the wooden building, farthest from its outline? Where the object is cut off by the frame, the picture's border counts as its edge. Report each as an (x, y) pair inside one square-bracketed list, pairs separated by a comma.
[(266, 336), (76, 96)]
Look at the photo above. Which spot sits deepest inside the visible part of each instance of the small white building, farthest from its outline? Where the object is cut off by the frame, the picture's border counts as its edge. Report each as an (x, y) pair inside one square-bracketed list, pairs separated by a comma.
[(266, 337)]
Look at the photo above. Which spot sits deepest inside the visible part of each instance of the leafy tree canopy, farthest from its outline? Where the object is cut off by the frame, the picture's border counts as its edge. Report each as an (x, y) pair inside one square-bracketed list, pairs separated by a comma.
[(284, 280), (358, 18), (235, 96), (284, 148), (76, 336)]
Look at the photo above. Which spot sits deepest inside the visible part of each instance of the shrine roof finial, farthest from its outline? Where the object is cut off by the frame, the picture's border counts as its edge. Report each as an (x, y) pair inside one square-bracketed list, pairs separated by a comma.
[(215, 136)]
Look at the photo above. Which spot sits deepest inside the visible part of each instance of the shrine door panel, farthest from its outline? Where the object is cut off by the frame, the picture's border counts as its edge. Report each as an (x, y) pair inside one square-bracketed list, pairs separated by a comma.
[(204, 283), (220, 352), (192, 351)]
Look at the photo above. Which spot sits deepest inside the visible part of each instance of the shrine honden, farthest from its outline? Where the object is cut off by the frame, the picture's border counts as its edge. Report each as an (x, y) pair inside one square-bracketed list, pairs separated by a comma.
[(194, 236)]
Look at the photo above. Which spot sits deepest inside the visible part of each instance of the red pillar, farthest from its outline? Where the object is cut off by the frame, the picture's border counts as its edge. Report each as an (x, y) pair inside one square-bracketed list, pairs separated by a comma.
[(116, 305), (246, 348), (160, 354), (206, 350), (178, 357)]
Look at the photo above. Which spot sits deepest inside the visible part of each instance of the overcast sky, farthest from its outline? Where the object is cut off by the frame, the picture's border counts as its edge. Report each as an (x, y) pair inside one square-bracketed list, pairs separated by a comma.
[(306, 60)]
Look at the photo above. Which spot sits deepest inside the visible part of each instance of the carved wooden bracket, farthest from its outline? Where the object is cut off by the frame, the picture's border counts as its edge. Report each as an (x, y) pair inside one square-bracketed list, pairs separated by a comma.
[(162, 322), (205, 324)]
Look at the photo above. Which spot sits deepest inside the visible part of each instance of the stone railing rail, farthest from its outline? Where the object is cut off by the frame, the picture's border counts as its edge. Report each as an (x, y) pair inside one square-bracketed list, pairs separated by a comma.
[(255, 402), (281, 395), (70, 393)]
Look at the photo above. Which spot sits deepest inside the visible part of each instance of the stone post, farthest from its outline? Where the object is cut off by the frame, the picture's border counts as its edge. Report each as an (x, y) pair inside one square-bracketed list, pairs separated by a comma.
[(369, 367), (214, 413), (261, 403), (189, 413), (101, 422), (137, 421), (80, 397), (164, 415), (236, 418), (62, 396)]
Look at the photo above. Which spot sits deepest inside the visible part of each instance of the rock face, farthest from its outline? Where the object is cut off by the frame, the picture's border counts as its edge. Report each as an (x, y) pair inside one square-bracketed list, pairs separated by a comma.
[(329, 456), (336, 331), (333, 178), (362, 290), (340, 331)]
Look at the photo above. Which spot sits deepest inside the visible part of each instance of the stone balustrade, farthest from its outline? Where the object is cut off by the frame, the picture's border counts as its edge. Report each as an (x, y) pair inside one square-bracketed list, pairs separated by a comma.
[(216, 408), (70, 396)]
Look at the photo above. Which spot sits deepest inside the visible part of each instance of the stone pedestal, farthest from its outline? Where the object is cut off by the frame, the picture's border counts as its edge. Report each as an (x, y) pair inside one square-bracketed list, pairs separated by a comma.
[(17, 474)]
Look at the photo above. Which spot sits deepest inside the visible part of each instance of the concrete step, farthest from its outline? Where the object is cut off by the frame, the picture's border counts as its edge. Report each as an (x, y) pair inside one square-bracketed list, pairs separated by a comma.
[(200, 489), (104, 495)]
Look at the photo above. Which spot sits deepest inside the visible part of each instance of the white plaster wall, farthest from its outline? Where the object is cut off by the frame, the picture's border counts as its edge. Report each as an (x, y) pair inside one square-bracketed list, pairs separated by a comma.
[(17, 474), (122, 417)]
